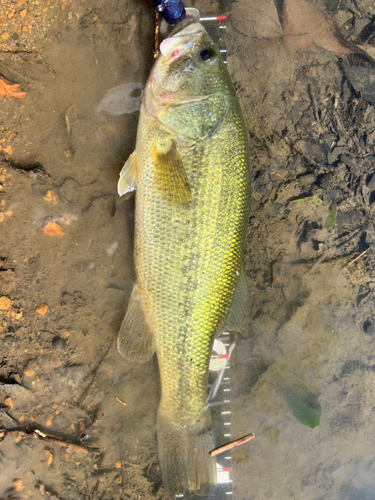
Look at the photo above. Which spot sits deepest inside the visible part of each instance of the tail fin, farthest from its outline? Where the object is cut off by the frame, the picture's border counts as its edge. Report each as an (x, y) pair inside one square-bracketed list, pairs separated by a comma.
[(183, 455)]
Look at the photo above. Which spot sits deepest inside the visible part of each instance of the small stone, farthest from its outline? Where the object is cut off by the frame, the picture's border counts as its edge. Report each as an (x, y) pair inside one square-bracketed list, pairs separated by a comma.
[(42, 309), (67, 298), (8, 401), (18, 484), (49, 457), (29, 372), (368, 327), (5, 303), (70, 15), (10, 15), (55, 362), (23, 13)]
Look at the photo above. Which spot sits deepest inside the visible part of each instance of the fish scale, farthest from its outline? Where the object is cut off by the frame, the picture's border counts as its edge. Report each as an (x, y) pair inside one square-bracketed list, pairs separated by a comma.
[(205, 289), (192, 207)]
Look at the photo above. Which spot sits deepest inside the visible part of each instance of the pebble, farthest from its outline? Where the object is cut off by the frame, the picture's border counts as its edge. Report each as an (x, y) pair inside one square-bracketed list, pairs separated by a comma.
[(42, 309), (5, 303)]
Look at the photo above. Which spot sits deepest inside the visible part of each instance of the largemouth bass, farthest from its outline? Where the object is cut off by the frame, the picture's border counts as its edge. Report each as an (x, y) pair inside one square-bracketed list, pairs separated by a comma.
[(191, 171)]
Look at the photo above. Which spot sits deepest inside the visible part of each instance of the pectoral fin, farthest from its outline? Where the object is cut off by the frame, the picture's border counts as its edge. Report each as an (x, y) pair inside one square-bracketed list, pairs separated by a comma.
[(128, 175), (135, 340), (239, 311), (170, 176)]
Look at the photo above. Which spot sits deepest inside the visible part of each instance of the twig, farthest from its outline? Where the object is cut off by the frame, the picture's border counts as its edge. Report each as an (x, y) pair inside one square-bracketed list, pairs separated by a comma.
[(358, 257), (120, 400), (26, 56), (231, 445), (93, 375), (156, 35), (49, 439)]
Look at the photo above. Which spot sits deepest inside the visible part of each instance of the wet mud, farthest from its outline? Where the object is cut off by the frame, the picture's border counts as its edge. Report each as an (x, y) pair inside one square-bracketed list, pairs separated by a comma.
[(66, 266)]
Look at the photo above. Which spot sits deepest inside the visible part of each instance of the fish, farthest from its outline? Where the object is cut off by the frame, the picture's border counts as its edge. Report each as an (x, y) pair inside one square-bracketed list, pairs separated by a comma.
[(191, 173)]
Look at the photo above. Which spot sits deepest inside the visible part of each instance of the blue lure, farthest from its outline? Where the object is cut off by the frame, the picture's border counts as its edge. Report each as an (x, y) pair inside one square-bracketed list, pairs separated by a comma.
[(172, 10)]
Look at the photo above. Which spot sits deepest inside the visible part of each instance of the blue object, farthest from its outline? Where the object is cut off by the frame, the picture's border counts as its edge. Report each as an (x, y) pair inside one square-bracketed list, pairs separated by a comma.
[(172, 10)]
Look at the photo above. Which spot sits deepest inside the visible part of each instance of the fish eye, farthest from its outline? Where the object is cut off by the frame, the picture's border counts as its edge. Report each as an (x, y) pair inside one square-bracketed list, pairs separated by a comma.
[(206, 54)]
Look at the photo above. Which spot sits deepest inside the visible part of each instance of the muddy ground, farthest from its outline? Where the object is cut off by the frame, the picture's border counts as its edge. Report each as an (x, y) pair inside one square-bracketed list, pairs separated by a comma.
[(66, 268)]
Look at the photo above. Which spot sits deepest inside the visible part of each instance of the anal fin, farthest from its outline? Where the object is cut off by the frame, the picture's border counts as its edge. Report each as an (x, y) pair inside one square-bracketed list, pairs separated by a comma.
[(135, 340)]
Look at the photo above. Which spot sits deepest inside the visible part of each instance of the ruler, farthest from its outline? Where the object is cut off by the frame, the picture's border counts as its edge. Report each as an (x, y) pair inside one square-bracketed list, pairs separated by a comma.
[(219, 379), (219, 375), (221, 412)]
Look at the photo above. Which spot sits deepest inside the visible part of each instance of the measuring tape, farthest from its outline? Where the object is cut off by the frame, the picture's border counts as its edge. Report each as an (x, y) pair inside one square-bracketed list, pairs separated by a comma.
[(219, 403), (219, 378)]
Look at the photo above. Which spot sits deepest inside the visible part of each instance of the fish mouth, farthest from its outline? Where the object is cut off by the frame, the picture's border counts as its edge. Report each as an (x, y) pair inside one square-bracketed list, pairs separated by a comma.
[(171, 48), (180, 42)]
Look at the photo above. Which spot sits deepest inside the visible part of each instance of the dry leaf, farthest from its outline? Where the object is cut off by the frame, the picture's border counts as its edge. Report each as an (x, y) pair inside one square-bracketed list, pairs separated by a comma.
[(8, 89), (50, 196), (53, 229), (305, 24)]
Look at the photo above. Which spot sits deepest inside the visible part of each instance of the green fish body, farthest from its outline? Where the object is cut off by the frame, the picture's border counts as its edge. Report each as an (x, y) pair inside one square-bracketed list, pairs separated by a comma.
[(191, 171)]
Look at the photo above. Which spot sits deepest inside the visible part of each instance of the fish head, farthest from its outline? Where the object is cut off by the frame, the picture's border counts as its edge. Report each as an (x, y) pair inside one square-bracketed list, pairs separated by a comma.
[(189, 70)]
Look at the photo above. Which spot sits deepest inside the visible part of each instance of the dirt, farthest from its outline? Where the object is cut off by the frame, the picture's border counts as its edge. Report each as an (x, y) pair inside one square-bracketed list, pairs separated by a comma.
[(66, 268)]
